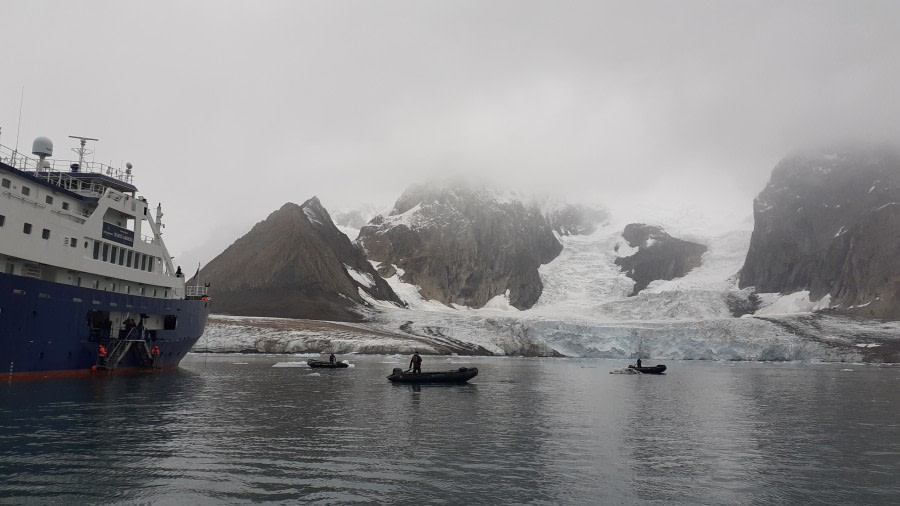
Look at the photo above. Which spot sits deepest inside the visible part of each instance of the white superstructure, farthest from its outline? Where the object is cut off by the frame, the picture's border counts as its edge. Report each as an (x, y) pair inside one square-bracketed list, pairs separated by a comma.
[(82, 223)]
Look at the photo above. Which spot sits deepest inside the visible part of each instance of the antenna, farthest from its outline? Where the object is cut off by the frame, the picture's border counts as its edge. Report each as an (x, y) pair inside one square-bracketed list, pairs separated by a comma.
[(82, 150), (19, 126)]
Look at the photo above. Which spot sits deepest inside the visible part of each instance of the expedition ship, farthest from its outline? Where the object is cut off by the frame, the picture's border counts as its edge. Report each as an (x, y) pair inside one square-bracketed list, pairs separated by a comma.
[(86, 281)]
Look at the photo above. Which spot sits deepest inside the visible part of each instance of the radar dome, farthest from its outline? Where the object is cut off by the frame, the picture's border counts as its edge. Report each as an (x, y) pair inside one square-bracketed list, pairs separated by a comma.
[(42, 146)]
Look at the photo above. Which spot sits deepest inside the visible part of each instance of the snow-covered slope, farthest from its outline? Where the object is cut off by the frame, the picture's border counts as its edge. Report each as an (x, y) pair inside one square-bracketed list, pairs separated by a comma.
[(584, 310)]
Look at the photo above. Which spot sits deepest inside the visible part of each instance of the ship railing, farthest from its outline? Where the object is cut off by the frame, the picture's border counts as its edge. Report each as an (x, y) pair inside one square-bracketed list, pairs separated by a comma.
[(18, 160), (196, 291)]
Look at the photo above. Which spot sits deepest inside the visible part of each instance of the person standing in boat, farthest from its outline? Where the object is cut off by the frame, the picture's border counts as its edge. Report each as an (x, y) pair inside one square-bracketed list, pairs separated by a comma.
[(332, 358), (416, 363), (639, 362)]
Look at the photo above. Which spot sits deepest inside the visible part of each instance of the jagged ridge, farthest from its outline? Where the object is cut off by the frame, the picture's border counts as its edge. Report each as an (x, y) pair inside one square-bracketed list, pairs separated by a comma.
[(295, 264)]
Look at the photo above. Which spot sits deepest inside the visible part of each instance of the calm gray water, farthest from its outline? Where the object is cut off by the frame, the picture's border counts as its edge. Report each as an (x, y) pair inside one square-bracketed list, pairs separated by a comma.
[(233, 429)]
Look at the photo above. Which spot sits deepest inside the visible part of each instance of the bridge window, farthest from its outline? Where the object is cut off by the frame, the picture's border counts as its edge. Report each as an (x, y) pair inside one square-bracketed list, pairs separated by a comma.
[(143, 262), (112, 256), (73, 242), (6, 183), (49, 199), (26, 191), (128, 262), (96, 250), (27, 228), (122, 256), (45, 234), (105, 252), (65, 206)]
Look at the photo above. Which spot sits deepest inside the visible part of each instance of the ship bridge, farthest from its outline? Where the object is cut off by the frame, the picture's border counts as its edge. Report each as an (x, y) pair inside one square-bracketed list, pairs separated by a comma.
[(84, 178)]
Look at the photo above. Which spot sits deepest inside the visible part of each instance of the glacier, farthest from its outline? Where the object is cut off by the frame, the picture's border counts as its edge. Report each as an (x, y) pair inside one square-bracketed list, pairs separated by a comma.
[(585, 311)]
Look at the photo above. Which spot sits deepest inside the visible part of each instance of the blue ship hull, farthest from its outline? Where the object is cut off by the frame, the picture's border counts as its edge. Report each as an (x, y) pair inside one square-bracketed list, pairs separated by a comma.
[(45, 327)]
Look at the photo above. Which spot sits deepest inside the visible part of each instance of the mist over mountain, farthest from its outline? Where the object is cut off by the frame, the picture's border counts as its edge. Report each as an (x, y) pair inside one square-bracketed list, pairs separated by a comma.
[(828, 223), (575, 219), (464, 244), (355, 217), (462, 268), (295, 264)]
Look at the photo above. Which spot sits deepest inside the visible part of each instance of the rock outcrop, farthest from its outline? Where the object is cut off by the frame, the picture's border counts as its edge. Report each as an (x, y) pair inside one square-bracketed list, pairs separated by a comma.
[(464, 245), (295, 264), (659, 255), (830, 224)]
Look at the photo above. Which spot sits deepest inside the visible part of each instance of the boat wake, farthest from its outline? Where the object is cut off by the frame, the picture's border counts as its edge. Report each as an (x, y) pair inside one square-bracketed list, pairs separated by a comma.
[(625, 370)]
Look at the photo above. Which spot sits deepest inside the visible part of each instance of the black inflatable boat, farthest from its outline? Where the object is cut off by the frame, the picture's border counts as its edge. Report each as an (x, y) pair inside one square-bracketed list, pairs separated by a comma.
[(461, 375), (656, 369), (325, 364)]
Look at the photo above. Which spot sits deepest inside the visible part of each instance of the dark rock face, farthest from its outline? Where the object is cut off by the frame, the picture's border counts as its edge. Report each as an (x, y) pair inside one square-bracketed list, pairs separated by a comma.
[(463, 245), (830, 224), (659, 255), (576, 219), (294, 265)]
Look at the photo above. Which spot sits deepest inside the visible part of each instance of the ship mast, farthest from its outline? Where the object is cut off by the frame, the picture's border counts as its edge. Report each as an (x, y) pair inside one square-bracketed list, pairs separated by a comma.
[(81, 151)]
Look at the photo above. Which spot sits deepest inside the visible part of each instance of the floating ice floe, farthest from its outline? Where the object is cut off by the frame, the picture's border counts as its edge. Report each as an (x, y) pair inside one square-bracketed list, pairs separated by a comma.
[(290, 364)]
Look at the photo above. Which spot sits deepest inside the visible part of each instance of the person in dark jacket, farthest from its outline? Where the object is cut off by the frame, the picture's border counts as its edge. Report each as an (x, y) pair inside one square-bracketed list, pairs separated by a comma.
[(639, 362), (332, 358), (416, 363)]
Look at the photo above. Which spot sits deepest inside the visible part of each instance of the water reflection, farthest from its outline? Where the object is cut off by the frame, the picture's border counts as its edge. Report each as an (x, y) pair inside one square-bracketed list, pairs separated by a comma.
[(523, 431), (686, 438), (59, 436)]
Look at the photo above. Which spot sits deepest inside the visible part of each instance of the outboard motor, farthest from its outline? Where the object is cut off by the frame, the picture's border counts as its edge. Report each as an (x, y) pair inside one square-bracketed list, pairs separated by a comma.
[(397, 370)]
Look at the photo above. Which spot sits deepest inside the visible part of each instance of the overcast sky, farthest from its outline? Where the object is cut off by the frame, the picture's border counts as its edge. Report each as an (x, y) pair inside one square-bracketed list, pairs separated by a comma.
[(228, 110)]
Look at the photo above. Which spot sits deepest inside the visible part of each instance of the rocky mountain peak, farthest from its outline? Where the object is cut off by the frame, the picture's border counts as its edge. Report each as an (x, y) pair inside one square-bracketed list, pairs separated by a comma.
[(296, 264), (315, 212), (826, 222), (464, 244)]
